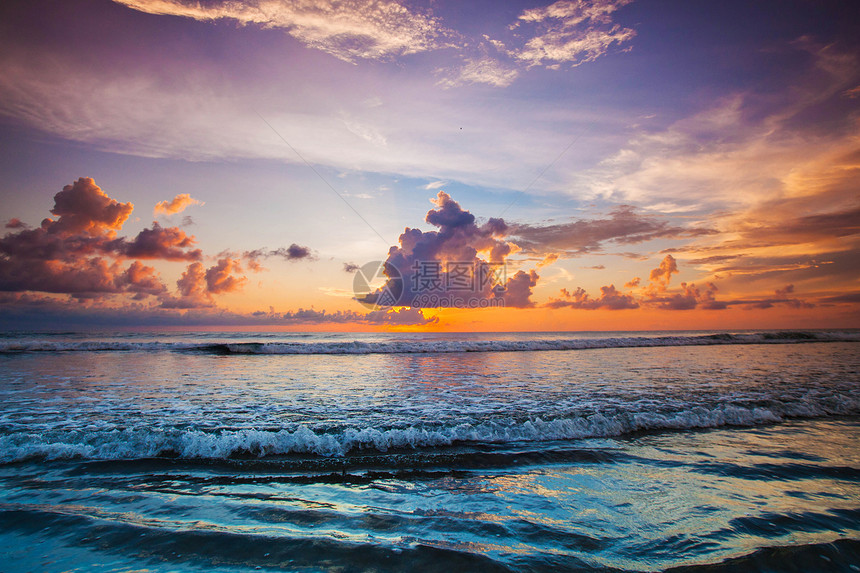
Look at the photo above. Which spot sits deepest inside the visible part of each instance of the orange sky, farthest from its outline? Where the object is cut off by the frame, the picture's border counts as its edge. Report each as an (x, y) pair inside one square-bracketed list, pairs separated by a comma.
[(623, 167)]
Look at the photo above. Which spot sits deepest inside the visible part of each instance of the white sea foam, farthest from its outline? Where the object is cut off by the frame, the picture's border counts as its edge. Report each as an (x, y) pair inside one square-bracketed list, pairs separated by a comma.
[(424, 346), (138, 443)]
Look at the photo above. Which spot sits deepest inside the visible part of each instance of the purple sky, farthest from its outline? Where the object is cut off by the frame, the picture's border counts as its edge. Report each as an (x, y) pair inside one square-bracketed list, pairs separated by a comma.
[(290, 139)]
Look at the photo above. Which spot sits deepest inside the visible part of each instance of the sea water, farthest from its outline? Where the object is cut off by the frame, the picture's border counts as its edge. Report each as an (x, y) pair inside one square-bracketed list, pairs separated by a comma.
[(353, 452)]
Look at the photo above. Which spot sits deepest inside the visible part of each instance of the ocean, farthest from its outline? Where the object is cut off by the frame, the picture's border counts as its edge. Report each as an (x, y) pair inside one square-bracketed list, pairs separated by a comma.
[(627, 451)]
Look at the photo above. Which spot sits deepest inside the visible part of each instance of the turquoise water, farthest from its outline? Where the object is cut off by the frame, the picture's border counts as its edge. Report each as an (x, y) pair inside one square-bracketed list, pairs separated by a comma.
[(236, 452)]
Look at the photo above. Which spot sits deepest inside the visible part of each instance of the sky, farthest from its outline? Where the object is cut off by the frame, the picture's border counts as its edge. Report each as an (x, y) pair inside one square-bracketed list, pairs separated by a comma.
[(362, 165)]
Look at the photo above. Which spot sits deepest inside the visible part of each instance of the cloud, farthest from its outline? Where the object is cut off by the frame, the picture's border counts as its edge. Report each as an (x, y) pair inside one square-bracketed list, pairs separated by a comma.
[(549, 259), (851, 297), (777, 223), (350, 267), (399, 317), (169, 243), (481, 71), (220, 279), (346, 29), (624, 226), (15, 223), (141, 280), (83, 208), (175, 205), (791, 136), (66, 255), (689, 298), (571, 32), (79, 254), (84, 278), (460, 265), (166, 113), (389, 317), (197, 285), (663, 273), (292, 253), (610, 299), (27, 310), (518, 289)]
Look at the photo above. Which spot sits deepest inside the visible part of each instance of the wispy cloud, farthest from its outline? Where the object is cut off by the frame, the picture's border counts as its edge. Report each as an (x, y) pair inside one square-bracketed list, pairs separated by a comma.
[(485, 70), (747, 147), (347, 29), (623, 226), (571, 32)]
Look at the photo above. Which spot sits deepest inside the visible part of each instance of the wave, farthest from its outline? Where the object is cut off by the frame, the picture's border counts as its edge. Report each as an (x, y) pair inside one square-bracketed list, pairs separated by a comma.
[(426, 346), (190, 443)]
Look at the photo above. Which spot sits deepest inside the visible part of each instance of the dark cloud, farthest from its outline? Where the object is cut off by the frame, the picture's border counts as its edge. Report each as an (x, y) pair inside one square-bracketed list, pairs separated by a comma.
[(761, 229), (39, 245), (518, 289), (822, 271), (689, 297), (787, 289), (292, 253), (311, 316), (624, 226), (632, 255), (350, 267), (28, 310), (715, 259), (15, 223), (399, 317), (851, 297), (86, 277), (169, 244), (391, 317), (609, 298), (780, 298)]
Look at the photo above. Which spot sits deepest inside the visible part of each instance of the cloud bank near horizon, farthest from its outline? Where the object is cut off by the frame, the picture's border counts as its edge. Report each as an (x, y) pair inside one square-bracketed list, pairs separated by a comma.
[(76, 264)]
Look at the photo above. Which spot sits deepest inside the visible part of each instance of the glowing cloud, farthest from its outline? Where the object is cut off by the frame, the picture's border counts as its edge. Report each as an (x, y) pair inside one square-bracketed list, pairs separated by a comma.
[(572, 31), (80, 255), (83, 207), (348, 30), (175, 205)]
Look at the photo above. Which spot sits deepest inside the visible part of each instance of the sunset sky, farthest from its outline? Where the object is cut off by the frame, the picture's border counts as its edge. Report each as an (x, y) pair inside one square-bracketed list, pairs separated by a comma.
[(618, 164)]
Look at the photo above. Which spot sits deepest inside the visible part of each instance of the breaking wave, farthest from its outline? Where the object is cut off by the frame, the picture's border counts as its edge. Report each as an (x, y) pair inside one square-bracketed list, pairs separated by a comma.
[(407, 346), (190, 443)]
